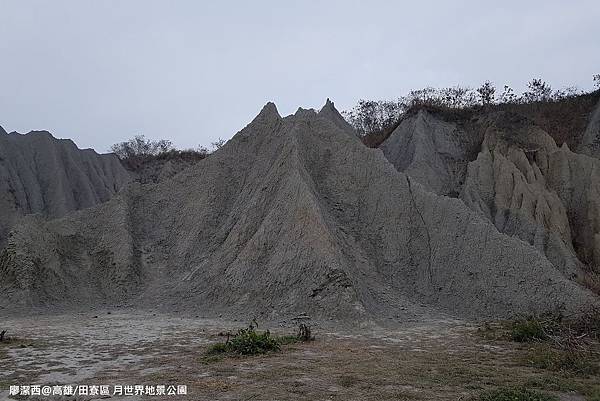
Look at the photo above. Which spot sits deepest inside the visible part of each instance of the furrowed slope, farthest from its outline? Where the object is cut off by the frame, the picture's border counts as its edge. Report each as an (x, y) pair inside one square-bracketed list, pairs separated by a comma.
[(51, 177), (432, 151), (512, 173)]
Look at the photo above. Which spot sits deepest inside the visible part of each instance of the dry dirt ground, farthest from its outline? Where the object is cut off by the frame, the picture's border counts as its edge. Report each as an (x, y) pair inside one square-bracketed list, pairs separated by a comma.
[(434, 360)]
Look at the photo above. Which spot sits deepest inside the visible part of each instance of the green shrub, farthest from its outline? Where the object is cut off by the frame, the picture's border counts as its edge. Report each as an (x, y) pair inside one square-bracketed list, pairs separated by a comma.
[(249, 341), (515, 394), (246, 341), (528, 329)]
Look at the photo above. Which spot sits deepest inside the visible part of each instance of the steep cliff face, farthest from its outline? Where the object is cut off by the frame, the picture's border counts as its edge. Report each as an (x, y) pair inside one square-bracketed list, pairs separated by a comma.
[(292, 215), (432, 151), (510, 184), (520, 180), (51, 177)]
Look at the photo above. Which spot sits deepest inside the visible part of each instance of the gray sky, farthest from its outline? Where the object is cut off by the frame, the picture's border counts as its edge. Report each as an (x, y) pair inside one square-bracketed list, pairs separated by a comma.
[(191, 71)]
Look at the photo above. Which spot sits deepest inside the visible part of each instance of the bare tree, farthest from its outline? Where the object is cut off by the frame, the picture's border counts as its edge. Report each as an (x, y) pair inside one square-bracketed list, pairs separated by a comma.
[(486, 93), (218, 144), (597, 81), (566, 93), (202, 150), (424, 97), (370, 116), (508, 95), (457, 97), (140, 146), (538, 91)]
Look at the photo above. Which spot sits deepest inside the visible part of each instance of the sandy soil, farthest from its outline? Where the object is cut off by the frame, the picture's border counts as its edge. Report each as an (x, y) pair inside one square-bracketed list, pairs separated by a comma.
[(435, 360)]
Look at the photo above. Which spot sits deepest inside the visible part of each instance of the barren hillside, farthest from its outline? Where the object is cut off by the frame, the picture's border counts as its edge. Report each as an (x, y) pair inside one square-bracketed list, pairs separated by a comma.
[(51, 177), (507, 168), (293, 215)]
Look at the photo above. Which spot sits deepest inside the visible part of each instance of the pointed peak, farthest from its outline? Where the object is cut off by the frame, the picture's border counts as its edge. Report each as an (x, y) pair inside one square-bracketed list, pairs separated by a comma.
[(268, 112), (3, 131), (270, 107), (329, 112), (267, 117), (328, 107)]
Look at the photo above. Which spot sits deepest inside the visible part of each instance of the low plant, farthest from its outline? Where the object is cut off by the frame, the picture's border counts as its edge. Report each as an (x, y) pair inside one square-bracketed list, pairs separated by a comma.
[(304, 333), (14, 342), (249, 341), (530, 329)]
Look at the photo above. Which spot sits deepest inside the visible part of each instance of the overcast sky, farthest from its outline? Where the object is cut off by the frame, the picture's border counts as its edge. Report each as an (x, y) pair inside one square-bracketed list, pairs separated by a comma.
[(193, 71)]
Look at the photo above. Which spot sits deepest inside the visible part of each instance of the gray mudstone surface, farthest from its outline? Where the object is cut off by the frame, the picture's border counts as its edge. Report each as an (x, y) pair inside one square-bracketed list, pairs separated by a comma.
[(293, 215), (40, 174)]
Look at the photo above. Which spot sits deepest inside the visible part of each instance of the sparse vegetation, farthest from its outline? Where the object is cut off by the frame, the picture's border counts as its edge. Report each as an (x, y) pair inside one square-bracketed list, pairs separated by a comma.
[(371, 116), (374, 121), (218, 144), (13, 342), (486, 93), (537, 91), (139, 146), (140, 153), (579, 362), (249, 341), (558, 343), (531, 329), (515, 394)]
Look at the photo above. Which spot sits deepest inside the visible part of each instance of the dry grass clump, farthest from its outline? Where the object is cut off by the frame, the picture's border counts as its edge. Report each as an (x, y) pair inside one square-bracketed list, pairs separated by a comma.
[(591, 280)]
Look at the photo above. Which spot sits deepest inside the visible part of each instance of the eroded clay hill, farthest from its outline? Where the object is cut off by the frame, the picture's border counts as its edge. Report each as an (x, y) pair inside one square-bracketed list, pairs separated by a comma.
[(293, 215), (51, 177), (511, 172)]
